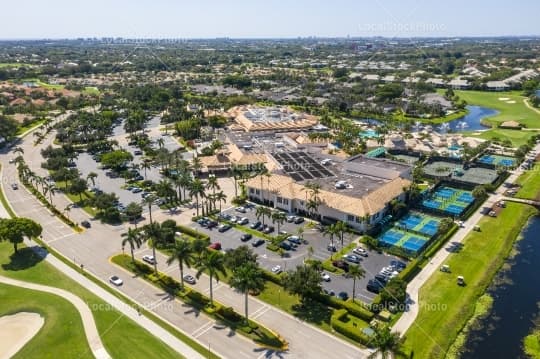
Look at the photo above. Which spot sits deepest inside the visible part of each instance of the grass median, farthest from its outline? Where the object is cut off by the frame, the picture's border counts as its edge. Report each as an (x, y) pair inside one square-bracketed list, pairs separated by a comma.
[(530, 185), (446, 307)]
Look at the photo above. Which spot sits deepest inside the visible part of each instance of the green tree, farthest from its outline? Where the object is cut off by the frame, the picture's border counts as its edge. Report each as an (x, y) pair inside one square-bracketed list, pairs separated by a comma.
[(78, 187), (262, 212), (181, 252), (14, 230), (134, 239), (116, 159), (152, 232), (133, 211), (240, 256), (394, 293), (213, 263), (356, 272), (278, 217), (197, 190), (386, 343), (304, 281), (247, 278)]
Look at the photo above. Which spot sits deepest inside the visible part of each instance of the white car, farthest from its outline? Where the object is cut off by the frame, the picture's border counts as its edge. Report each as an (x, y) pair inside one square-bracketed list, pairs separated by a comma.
[(240, 209), (325, 277), (360, 251), (276, 269), (116, 280), (243, 221), (149, 259)]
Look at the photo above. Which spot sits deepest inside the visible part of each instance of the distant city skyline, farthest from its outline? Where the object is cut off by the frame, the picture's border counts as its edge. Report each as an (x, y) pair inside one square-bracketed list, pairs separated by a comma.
[(271, 19)]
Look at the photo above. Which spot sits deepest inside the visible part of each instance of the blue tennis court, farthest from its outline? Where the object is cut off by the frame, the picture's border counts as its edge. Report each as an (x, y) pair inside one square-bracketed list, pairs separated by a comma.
[(430, 228), (454, 209), (414, 244), (497, 160), (430, 203), (466, 197)]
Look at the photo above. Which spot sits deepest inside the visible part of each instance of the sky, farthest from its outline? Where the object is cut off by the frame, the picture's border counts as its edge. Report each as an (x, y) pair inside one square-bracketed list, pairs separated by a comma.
[(36, 19)]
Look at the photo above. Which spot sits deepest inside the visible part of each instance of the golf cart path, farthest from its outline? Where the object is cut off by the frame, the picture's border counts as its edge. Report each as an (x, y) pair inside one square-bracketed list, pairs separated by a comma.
[(87, 318), (413, 288)]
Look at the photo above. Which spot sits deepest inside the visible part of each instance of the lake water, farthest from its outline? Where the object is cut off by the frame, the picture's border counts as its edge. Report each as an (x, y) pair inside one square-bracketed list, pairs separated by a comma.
[(472, 120), (515, 304)]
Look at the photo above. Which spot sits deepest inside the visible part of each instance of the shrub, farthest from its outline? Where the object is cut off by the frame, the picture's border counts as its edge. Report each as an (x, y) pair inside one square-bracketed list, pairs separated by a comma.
[(274, 278), (192, 232), (272, 247), (229, 314), (338, 323), (356, 309)]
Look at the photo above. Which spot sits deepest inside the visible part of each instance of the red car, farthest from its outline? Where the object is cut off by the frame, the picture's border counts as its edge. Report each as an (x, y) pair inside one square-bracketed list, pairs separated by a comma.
[(215, 245)]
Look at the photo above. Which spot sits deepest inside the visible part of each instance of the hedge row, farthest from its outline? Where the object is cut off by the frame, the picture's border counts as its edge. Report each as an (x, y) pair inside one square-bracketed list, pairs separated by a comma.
[(338, 324), (192, 232), (353, 308)]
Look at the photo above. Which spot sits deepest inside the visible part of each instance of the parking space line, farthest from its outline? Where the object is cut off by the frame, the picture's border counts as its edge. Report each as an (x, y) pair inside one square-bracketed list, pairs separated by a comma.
[(202, 329)]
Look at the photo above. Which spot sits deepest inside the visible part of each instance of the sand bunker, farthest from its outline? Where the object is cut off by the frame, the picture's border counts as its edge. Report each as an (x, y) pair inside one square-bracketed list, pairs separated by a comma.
[(510, 101), (503, 99), (16, 330)]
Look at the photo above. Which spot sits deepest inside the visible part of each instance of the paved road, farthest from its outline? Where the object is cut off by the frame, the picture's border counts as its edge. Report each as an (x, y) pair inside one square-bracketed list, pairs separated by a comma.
[(94, 247), (413, 288), (90, 329)]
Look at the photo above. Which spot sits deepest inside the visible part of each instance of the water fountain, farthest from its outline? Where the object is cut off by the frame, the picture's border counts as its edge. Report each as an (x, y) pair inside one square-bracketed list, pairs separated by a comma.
[(444, 127)]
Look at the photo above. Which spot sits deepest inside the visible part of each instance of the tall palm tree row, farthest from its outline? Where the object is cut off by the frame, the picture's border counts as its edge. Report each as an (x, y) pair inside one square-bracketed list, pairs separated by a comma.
[(247, 278), (212, 263), (134, 238), (183, 253), (197, 190)]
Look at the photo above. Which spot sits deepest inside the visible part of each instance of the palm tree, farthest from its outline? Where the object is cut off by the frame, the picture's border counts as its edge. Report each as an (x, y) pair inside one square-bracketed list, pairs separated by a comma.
[(92, 178), (213, 263), (134, 239), (278, 217), (181, 252), (341, 229), (197, 190), (67, 209), (356, 272), (220, 197), (386, 343), (263, 211), (331, 232), (160, 142), (196, 165), (213, 185), (149, 201), (18, 150), (246, 278), (146, 164), (152, 232)]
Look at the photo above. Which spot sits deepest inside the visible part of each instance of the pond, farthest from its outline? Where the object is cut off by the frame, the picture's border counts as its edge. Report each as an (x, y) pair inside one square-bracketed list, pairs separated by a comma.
[(471, 121), (515, 304)]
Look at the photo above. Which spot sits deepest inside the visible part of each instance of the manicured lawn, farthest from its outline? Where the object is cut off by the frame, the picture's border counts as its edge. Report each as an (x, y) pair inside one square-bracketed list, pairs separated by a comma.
[(62, 330), (444, 306), (508, 111), (517, 137), (12, 65), (113, 326), (23, 129), (531, 344), (530, 182)]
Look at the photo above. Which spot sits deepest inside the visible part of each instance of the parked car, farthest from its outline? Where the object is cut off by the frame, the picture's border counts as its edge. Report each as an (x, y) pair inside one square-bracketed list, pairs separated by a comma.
[(211, 224), (276, 269), (255, 225), (374, 287), (360, 251), (257, 242), (398, 265), (240, 209), (149, 259), (267, 229), (243, 221), (215, 245), (224, 228), (203, 222), (299, 220), (290, 219), (245, 237), (136, 190), (341, 264), (325, 277), (352, 258), (86, 224), (294, 239), (343, 295), (116, 280), (381, 279), (331, 248), (188, 278), (14, 186), (137, 152), (285, 246)]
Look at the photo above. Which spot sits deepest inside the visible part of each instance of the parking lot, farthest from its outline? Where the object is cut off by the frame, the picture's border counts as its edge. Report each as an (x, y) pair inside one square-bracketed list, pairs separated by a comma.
[(372, 264)]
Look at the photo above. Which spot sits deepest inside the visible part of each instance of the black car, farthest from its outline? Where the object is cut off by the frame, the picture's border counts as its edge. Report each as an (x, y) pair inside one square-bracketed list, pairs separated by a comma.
[(258, 242), (285, 245), (374, 287), (331, 248), (299, 220), (381, 279), (341, 264), (267, 229), (255, 225), (211, 224), (224, 228), (86, 224), (343, 295), (245, 237)]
